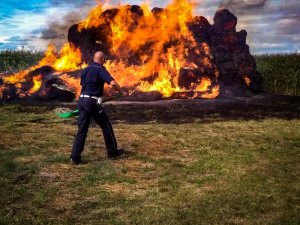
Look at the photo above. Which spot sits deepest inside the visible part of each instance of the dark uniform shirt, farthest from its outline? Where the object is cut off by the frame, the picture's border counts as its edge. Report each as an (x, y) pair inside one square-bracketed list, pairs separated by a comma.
[(93, 78)]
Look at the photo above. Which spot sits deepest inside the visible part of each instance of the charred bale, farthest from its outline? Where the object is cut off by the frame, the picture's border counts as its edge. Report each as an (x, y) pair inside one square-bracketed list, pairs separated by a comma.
[(89, 40), (157, 11), (99, 38), (225, 21), (143, 96), (232, 56), (57, 91), (200, 28), (187, 77)]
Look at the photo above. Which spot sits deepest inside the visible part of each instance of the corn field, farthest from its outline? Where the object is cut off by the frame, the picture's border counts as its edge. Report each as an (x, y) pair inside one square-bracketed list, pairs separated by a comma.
[(281, 72), (16, 60)]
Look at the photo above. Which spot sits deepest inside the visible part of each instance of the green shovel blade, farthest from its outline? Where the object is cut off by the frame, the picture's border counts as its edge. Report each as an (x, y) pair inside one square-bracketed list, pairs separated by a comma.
[(68, 114)]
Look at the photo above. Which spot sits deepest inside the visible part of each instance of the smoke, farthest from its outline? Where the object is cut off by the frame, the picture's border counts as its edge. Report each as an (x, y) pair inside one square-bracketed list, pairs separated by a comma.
[(57, 28), (67, 13)]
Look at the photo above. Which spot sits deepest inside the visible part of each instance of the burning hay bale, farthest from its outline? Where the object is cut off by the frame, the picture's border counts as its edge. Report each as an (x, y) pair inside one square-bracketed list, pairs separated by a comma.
[(154, 54)]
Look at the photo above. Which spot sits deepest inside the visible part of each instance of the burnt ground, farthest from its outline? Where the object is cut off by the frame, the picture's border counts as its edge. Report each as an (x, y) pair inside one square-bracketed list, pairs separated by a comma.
[(190, 110), (206, 110)]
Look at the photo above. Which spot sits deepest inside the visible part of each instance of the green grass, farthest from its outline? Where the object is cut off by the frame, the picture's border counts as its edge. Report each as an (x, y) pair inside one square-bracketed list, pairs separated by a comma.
[(281, 73), (229, 172)]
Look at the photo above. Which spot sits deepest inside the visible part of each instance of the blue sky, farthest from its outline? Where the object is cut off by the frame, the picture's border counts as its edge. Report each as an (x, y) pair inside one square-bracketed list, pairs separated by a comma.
[(272, 25)]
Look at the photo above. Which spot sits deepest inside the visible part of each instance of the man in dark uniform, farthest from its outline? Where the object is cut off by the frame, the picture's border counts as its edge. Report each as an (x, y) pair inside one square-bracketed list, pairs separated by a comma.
[(89, 106)]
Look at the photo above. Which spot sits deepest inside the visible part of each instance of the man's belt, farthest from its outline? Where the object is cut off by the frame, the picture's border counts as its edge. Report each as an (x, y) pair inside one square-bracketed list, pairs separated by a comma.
[(88, 96), (99, 99)]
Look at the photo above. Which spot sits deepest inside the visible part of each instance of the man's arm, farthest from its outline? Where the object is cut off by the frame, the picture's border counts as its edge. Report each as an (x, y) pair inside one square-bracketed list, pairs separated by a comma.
[(105, 75), (117, 87)]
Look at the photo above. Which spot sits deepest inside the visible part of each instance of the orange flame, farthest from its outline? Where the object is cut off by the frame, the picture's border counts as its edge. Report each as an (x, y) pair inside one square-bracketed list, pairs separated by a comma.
[(70, 59), (93, 19), (2, 88), (37, 83), (213, 93), (169, 25), (72, 83), (247, 80)]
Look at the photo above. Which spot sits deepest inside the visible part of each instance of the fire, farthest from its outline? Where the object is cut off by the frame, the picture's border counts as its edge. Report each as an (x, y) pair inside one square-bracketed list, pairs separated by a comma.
[(92, 19), (69, 59), (72, 83), (169, 25), (157, 30), (213, 93), (37, 82), (2, 88), (49, 58), (247, 80), (160, 42), (162, 84), (204, 84)]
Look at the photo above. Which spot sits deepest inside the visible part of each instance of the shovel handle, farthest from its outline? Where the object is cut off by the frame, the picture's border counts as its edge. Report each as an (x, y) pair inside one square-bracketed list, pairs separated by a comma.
[(75, 112), (106, 99)]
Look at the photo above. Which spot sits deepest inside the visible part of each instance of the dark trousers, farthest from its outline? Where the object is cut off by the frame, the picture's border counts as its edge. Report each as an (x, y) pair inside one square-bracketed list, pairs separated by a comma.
[(89, 109)]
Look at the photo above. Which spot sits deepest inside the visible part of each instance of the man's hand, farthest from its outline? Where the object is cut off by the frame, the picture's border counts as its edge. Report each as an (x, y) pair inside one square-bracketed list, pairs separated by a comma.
[(124, 93), (118, 88)]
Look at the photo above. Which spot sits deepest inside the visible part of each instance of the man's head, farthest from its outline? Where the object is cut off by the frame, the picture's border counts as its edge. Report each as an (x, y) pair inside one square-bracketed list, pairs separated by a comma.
[(99, 57)]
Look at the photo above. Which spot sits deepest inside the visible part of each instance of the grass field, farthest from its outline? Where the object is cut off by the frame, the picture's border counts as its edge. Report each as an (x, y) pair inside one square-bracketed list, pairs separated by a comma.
[(230, 172)]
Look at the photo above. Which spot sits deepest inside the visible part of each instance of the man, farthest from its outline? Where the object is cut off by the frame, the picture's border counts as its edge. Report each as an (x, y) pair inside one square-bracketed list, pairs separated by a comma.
[(92, 81)]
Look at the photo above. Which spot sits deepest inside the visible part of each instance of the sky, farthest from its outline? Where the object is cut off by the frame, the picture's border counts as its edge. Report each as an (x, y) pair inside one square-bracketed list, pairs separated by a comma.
[(273, 26)]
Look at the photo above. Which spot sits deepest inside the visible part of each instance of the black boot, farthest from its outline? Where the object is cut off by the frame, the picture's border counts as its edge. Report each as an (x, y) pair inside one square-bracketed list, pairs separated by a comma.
[(114, 155), (75, 161)]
